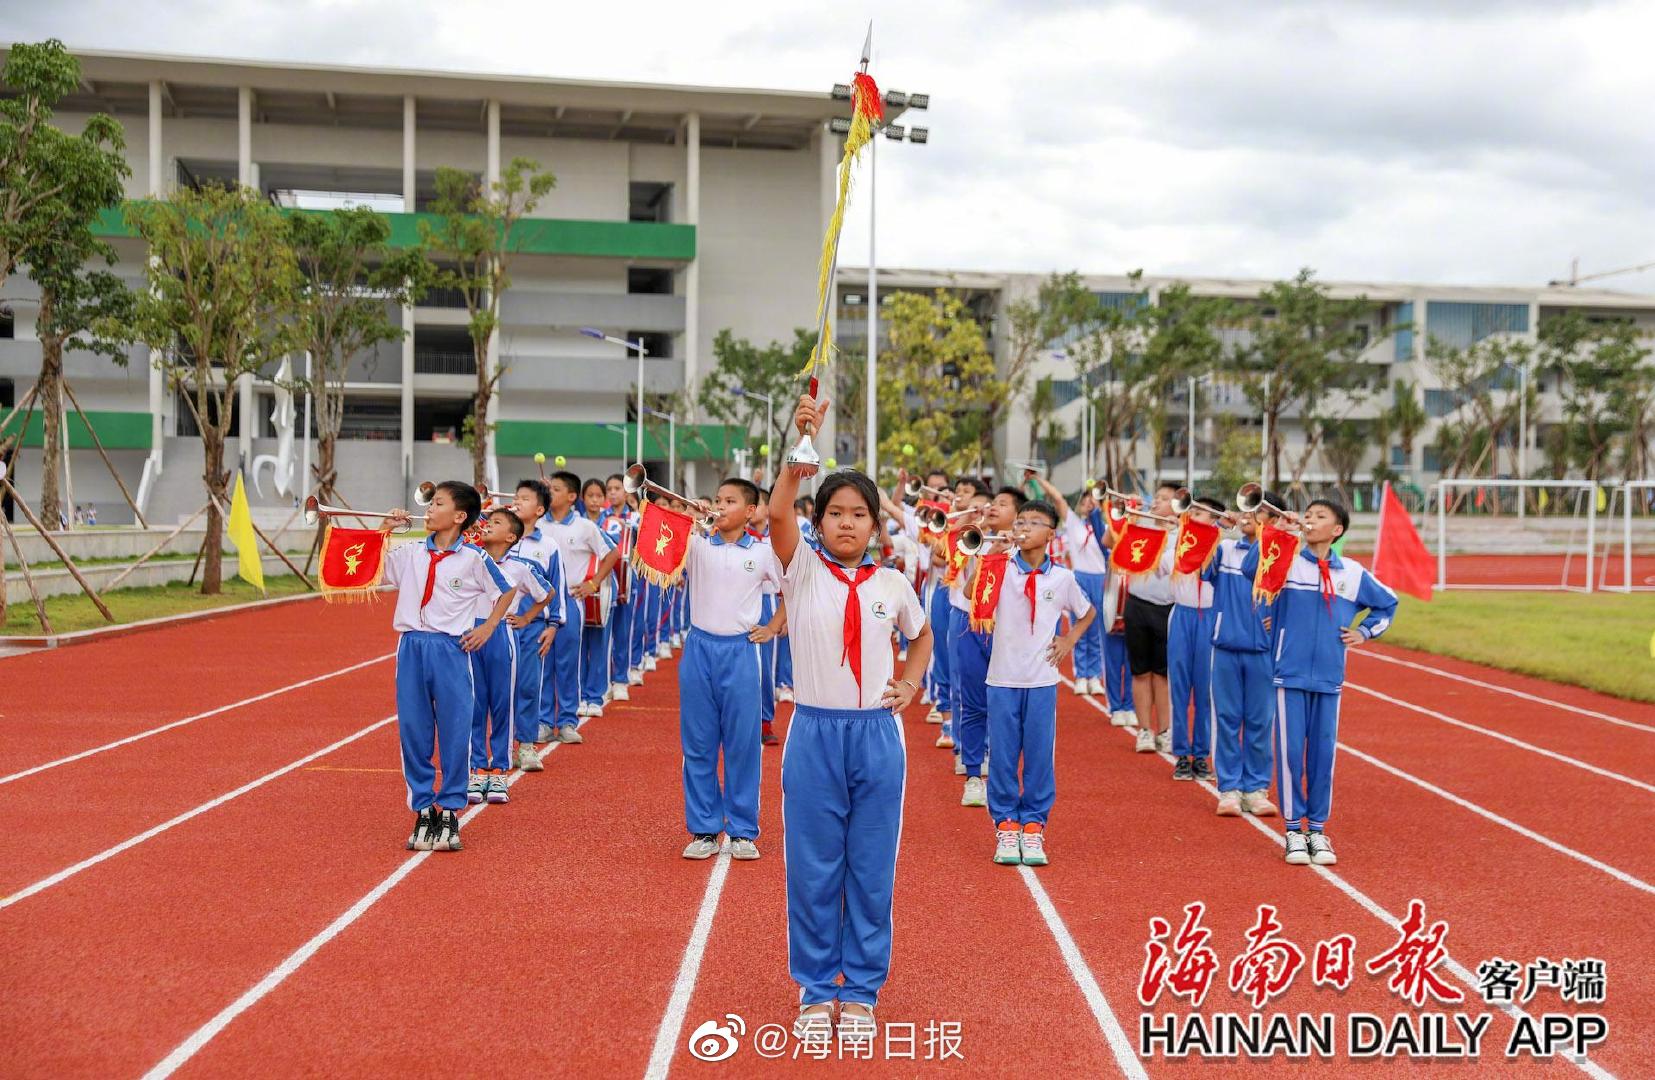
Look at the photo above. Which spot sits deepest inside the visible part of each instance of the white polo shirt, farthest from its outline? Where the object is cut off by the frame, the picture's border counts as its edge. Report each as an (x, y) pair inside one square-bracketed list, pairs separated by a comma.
[(815, 598), (1085, 553), (523, 576), (726, 583), (1156, 587), (465, 582), (1019, 655), (578, 538), (771, 588), (538, 547)]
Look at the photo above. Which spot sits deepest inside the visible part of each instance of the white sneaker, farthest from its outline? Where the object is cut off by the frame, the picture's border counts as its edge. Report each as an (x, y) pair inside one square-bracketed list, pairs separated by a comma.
[(1298, 849), (934, 716), (546, 733), (619, 692), (743, 850), (678, 640), (976, 792), (1321, 850), (580, 710), (594, 710), (1097, 688), (1258, 804), (1083, 688), (527, 759), (1122, 718), (635, 677), (476, 788), (664, 650), (925, 696), (814, 1025), (1008, 847), (497, 790), (701, 847), (1229, 804), (649, 663), (1163, 742), (1034, 848), (569, 735), (857, 1027), (1146, 741), (784, 693), (959, 766), (945, 738)]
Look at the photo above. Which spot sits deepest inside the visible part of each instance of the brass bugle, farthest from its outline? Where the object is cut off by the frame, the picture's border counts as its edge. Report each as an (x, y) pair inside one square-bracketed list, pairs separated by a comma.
[(315, 509), (1118, 510), (1250, 498), (937, 521), (636, 480), (973, 540), (427, 491), (914, 489)]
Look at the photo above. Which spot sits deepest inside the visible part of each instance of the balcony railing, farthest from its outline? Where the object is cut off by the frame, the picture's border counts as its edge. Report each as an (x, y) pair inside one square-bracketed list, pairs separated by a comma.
[(444, 362)]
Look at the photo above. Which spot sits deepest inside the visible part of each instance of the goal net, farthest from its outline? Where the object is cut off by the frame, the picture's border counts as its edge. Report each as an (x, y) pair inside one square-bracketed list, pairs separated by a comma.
[(1626, 555), (1518, 534)]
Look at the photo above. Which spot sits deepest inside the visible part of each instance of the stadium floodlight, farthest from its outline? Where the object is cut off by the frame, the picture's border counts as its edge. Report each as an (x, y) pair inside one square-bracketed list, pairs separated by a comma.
[(841, 91), (919, 101), (896, 98), (919, 134), (895, 132), (839, 125)]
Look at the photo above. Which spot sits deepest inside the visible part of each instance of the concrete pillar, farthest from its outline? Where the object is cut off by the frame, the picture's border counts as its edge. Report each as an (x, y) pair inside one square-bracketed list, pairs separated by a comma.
[(410, 187), (245, 176), (155, 189), (692, 275)]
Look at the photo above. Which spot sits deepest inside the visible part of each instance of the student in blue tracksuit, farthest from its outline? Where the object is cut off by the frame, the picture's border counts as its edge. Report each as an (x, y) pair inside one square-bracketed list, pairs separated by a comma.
[(1088, 552), (970, 649), (595, 639), (440, 584), (494, 667), (1189, 657), (759, 529), (934, 594), (1243, 695), (1022, 686), (587, 557), (720, 678), (619, 523), (538, 547), (844, 765), (1312, 629), (1117, 662)]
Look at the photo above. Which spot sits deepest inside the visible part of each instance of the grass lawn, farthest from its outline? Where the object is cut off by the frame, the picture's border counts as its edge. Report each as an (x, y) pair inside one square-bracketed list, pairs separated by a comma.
[(1601, 641), (131, 605)]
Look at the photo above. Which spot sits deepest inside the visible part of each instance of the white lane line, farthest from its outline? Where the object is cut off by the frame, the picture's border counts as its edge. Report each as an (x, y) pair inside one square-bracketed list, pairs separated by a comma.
[(207, 1032), (689, 970), (1119, 1043), (192, 719), (1523, 694), (149, 834), (1479, 729), (1372, 907)]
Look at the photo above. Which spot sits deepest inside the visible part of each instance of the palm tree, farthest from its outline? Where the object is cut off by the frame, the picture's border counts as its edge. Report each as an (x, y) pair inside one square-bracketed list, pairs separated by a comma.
[(1406, 418)]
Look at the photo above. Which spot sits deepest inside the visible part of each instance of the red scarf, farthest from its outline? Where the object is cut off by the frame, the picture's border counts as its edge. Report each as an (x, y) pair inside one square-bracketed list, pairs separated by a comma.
[(853, 616), (1031, 586), (431, 574), (1326, 573)]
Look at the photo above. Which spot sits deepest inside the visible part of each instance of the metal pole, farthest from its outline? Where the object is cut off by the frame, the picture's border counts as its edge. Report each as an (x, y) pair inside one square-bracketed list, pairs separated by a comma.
[(1522, 438), (639, 346), (769, 443), (872, 402), (1264, 445), (1626, 536), (304, 481), (1442, 536), (1189, 442), (1591, 530), (672, 447)]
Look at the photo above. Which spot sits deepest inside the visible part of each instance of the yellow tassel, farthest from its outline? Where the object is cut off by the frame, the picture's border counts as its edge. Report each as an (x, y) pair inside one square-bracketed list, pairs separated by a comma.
[(861, 133)]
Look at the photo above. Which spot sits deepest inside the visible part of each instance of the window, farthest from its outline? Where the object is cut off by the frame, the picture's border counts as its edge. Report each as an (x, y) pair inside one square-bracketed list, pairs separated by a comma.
[(1405, 334), (1460, 325), (8, 323), (186, 418), (8, 394), (440, 420), (649, 201), (371, 419), (649, 282), (658, 346), (1364, 335), (443, 351)]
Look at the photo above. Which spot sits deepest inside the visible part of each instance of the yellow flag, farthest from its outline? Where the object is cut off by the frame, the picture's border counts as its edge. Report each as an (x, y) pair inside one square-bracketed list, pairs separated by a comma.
[(250, 568), (1603, 499), (1543, 500)]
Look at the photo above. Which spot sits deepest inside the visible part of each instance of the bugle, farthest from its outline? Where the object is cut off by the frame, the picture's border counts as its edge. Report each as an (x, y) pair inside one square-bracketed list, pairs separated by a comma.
[(427, 491), (315, 510), (973, 540), (936, 521), (636, 481), (914, 489)]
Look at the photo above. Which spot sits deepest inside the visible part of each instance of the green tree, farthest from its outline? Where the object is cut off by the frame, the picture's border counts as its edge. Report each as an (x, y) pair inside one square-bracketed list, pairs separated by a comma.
[(349, 279), (221, 279), (938, 379), (1405, 418), (1300, 342), (1237, 460), (1344, 444), (476, 233), (771, 369), (1604, 376), (1042, 406), (1061, 306)]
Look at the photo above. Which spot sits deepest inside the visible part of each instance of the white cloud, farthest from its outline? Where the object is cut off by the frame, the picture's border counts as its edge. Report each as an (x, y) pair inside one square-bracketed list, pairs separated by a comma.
[(1477, 141)]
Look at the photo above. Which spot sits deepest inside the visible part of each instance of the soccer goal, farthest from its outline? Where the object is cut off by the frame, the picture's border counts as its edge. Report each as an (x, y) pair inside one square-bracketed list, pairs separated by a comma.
[(1528, 535), (1632, 567)]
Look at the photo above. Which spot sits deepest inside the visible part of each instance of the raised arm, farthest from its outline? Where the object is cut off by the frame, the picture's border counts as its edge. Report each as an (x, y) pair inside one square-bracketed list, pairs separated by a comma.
[(784, 530), (1053, 496)]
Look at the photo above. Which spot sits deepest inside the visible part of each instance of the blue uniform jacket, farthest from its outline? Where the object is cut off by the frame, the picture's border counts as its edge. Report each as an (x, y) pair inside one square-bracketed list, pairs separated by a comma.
[(1239, 625), (1306, 624)]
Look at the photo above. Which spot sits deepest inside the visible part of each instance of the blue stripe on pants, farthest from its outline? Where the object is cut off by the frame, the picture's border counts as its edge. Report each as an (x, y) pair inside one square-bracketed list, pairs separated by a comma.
[(1242, 719), (620, 641), (843, 773), (531, 681), (1117, 672), (594, 664), (718, 707), (494, 683), (1189, 679), (767, 662), (942, 665), (1089, 648), (1307, 732), (563, 672), (433, 717), (1022, 723), (784, 662), (970, 691)]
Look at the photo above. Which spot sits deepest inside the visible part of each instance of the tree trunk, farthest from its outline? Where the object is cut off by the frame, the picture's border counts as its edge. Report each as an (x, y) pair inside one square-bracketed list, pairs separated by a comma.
[(213, 475), (326, 441), (51, 417), (479, 425)]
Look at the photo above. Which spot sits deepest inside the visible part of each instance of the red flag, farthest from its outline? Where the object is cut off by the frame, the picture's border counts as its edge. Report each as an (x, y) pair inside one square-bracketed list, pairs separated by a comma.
[(1138, 549), (954, 560), (985, 590), (1277, 550), (1197, 543), (353, 562), (1400, 558), (663, 545)]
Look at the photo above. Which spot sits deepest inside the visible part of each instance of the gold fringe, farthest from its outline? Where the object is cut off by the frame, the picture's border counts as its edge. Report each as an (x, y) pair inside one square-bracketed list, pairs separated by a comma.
[(651, 574)]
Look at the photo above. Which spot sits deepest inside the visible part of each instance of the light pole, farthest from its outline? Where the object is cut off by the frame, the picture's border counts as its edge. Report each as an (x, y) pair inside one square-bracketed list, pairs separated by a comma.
[(619, 429), (637, 347), (1189, 433), (769, 421), (896, 133), (1523, 436), (672, 442)]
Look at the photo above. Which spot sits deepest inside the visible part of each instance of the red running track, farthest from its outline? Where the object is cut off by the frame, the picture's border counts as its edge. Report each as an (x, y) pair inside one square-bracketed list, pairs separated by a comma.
[(552, 944)]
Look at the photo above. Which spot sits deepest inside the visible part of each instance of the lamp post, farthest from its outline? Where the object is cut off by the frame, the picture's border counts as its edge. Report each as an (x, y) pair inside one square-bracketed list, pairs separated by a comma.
[(769, 421), (672, 440), (1189, 433), (1523, 437), (637, 347), (619, 429), (896, 133)]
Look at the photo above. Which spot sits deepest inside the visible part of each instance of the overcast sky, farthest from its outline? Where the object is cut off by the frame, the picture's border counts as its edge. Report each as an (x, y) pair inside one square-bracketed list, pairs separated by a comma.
[(1468, 141)]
